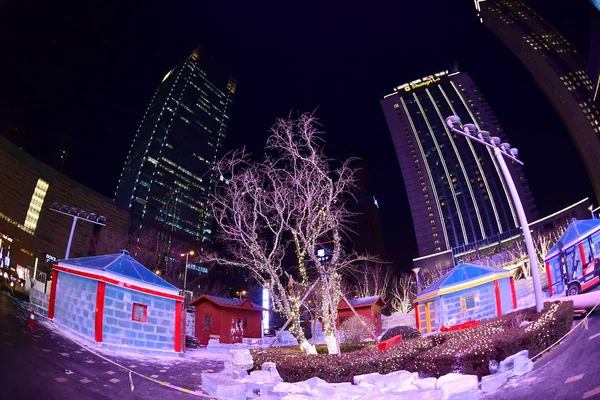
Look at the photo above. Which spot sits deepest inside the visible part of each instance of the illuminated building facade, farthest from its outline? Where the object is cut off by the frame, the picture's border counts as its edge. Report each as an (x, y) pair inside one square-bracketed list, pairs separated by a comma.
[(33, 235), (559, 70), (457, 195), (166, 177)]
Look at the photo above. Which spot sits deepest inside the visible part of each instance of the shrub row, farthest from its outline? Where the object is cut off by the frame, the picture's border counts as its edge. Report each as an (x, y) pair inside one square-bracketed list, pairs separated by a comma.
[(466, 351)]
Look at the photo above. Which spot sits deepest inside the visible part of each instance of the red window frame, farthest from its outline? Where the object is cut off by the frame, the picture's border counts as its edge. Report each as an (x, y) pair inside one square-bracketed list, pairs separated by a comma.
[(144, 307)]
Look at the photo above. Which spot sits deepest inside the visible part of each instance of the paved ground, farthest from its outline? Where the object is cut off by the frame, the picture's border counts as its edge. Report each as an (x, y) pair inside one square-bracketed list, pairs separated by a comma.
[(570, 371), (46, 365)]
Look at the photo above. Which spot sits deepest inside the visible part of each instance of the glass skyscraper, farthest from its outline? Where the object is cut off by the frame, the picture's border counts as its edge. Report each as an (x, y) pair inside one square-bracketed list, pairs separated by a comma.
[(166, 177), (456, 191), (559, 70)]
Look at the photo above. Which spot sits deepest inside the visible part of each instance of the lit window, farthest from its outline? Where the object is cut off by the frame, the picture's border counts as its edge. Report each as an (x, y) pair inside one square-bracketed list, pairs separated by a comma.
[(140, 312)]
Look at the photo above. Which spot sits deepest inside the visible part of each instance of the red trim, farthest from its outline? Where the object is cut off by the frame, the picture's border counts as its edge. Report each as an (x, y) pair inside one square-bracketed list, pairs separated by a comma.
[(178, 326), (417, 316), (144, 317), (549, 275), (116, 283), (582, 254), (514, 292), (99, 310), (498, 300), (590, 283), (52, 293)]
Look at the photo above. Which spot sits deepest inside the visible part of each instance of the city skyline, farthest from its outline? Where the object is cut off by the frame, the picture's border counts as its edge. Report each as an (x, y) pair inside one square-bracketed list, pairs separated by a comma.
[(97, 98), (457, 193), (166, 178)]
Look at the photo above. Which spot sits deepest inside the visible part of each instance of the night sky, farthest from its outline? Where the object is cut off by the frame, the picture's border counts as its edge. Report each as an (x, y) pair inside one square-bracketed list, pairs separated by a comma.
[(82, 74)]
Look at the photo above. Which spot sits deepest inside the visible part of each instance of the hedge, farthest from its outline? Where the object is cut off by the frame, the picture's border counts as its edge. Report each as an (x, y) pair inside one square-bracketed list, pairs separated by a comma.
[(467, 351)]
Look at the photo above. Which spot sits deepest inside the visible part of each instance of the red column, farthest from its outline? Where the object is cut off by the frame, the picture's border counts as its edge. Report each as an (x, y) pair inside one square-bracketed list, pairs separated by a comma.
[(417, 316), (498, 300), (99, 310), (514, 292), (582, 254), (52, 294), (178, 326), (549, 274)]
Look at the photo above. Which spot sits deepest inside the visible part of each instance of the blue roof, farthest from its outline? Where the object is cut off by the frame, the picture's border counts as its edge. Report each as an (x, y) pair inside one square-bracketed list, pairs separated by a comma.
[(121, 264), (459, 274), (577, 230)]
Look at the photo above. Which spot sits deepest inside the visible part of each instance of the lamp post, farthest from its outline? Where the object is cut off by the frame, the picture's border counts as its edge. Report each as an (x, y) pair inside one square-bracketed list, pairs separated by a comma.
[(502, 150), (241, 293), (77, 215), (416, 271), (189, 253)]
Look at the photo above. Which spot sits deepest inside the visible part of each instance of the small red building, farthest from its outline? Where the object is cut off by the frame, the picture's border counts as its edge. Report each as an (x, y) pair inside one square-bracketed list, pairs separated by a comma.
[(369, 307), (227, 319)]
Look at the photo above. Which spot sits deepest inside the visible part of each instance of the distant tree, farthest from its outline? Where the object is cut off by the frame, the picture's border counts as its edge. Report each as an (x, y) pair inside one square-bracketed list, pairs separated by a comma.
[(370, 279), (402, 292)]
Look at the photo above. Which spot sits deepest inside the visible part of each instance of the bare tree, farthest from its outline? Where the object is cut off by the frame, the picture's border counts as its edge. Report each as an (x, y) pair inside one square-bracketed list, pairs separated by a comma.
[(371, 279), (402, 292), (429, 275), (290, 201), (543, 241)]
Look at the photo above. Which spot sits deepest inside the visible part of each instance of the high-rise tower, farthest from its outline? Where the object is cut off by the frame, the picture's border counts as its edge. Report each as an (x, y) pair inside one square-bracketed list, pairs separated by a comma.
[(559, 70), (166, 177), (456, 191)]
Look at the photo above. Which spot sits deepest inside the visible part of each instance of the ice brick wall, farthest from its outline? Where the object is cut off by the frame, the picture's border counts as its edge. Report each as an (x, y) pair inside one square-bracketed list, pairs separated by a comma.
[(485, 305), (75, 303), (158, 332), (505, 295)]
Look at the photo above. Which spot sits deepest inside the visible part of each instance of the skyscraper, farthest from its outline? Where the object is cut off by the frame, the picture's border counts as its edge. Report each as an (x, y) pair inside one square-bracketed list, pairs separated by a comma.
[(559, 70), (167, 177), (456, 191)]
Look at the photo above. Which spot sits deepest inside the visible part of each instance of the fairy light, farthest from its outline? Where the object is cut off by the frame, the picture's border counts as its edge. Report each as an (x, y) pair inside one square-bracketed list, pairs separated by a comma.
[(467, 351)]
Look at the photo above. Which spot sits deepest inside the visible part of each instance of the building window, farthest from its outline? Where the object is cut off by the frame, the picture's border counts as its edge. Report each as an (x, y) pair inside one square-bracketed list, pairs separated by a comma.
[(467, 303), (207, 322), (140, 312)]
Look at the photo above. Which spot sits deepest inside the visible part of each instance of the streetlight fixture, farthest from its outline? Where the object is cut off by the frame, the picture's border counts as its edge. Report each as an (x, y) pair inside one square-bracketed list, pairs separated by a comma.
[(502, 150), (241, 293), (189, 253), (77, 214)]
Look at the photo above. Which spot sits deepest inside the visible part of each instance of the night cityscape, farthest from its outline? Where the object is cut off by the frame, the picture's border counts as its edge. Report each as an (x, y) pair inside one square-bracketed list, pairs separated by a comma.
[(212, 199)]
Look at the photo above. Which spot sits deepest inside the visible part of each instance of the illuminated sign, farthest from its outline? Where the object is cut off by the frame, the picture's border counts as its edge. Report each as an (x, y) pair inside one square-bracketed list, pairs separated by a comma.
[(417, 85), (197, 268), (51, 258)]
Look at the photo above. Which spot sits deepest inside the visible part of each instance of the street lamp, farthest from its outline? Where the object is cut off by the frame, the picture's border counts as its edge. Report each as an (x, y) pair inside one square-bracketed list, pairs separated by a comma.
[(76, 215), (502, 150), (241, 293), (189, 253)]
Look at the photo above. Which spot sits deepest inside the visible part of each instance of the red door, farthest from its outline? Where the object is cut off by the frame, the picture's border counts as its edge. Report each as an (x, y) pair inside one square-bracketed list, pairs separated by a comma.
[(237, 330), (205, 328)]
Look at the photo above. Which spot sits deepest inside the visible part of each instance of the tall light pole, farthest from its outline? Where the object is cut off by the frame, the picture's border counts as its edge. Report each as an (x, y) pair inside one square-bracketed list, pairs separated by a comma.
[(77, 215), (189, 253), (502, 150), (241, 293)]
